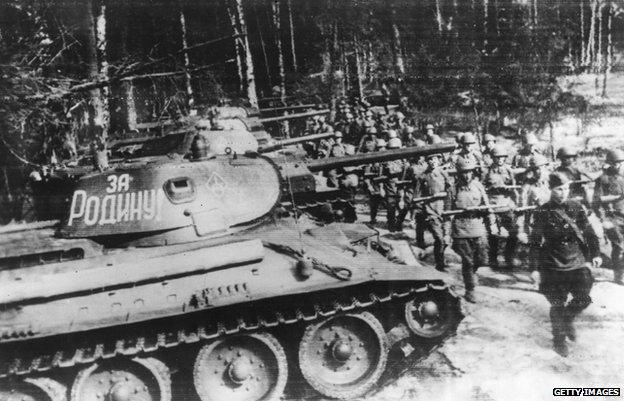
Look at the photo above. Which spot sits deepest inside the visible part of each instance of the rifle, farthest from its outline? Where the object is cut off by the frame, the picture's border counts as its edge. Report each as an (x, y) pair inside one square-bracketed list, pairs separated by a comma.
[(504, 187), (486, 209), (427, 199), (609, 199)]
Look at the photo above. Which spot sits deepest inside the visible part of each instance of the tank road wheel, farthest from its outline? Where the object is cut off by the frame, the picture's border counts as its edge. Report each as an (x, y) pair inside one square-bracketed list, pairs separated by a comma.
[(344, 356), (33, 389), (433, 315), (138, 379), (241, 368)]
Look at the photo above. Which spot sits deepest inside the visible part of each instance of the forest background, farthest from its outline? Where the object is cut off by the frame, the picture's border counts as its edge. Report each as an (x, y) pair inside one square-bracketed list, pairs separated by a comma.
[(79, 70)]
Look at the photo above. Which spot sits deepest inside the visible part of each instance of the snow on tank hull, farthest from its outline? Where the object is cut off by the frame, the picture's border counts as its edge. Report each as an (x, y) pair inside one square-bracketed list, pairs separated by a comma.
[(235, 288)]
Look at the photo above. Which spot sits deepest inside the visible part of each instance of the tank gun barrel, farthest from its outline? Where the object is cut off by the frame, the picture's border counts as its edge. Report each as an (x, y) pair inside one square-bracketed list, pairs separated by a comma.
[(295, 116), (382, 156), (291, 107), (284, 142)]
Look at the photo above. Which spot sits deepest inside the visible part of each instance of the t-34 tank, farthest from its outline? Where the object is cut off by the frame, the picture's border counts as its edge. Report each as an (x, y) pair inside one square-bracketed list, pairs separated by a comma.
[(173, 278)]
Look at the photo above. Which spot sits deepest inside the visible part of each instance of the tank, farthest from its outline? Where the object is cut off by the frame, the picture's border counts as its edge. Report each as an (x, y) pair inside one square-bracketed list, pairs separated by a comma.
[(189, 277)]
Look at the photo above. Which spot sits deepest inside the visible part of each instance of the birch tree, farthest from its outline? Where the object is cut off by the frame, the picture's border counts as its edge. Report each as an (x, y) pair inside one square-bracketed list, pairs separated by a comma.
[(187, 61), (238, 45), (96, 51), (249, 67), (396, 41), (292, 36), (275, 5)]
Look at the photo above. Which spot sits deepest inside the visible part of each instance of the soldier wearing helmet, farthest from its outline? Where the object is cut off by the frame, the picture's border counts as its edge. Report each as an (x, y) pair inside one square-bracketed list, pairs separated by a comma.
[(530, 148), (368, 142), (468, 230), (534, 192), (469, 153), (489, 143), (394, 171), (568, 156), (562, 244), (611, 183), (499, 182), (428, 182), (430, 136)]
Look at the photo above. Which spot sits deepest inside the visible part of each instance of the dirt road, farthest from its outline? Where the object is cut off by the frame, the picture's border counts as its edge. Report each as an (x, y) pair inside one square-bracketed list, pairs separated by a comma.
[(502, 350)]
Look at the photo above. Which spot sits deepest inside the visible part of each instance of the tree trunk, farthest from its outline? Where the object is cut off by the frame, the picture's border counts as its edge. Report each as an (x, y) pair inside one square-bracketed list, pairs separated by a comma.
[(187, 61), (238, 44), (292, 36), (358, 70), (369, 62), (599, 52), (263, 47), (583, 50), (439, 19), (128, 87), (249, 67), (589, 57), (396, 42), (535, 19), (97, 44), (486, 4), (608, 61), (275, 4)]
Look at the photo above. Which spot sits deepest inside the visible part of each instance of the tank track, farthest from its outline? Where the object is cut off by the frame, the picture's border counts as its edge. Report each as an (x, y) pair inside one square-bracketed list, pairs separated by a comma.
[(80, 353)]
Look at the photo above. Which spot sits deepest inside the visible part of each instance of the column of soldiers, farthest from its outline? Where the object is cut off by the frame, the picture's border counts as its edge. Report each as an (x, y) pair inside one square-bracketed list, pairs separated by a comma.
[(473, 198)]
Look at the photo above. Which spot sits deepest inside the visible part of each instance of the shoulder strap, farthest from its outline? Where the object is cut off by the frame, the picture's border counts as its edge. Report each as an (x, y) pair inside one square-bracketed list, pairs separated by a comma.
[(572, 223)]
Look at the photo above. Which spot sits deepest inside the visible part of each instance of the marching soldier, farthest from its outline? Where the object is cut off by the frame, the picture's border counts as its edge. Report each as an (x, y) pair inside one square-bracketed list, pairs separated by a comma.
[(431, 137), (468, 229), (534, 192), (568, 155), (501, 183), (611, 183), (489, 143), (433, 180), (394, 192), (468, 153), (529, 149), (562, 243)]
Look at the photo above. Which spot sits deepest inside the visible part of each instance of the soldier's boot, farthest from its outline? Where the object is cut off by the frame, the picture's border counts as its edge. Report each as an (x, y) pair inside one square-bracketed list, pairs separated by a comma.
[(557, 320), (560, 346), (420, 231), (569, 327), (470, 296), (493, 252), (438, 253), (510, 250)]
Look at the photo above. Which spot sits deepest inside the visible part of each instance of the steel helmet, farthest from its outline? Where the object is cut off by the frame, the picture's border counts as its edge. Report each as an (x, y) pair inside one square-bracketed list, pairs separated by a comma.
[(381, 143), (371, 130), (429, 126), (499, 151), (489, 138), (530, 139), (468, 138), (419, 143), (465, 165), (537, 161), (392, 134), (394, 143), (566, 151), (615, 156), (337, 134), (399, 115)]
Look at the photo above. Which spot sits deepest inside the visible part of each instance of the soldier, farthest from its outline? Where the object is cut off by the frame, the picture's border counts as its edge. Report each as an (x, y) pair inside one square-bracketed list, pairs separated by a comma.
[(499, 182), (431, 181), (468, 229), (394, 192), (611, 182), (394, 142), (489, 143), (467, 152), (561, 243), (368, 143), (430, 136), (529, 149), (534, 192), (373, 184), (568, 155)]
